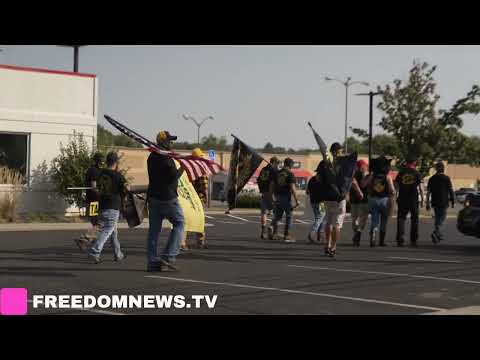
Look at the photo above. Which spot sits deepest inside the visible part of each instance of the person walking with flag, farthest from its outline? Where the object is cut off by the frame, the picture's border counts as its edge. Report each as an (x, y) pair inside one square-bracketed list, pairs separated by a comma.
[(283, 188), (163, 204), (315, 192), (264, 180)]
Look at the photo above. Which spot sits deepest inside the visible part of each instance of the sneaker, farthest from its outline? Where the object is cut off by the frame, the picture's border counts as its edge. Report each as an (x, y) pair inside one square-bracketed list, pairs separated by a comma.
[(310, 239), (154, 268), (332, 253), (82, 244), (123, 257), (95, 259), (289, 239), (168, 264), (270, 233)]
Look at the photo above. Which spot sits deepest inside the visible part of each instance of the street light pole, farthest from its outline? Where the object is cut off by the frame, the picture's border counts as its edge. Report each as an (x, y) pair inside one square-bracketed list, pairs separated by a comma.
[(198, 124), (370, 94), (76, 54), (347, 84)]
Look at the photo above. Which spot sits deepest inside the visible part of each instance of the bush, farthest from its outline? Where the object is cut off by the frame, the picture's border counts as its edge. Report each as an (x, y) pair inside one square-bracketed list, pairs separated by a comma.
[(9, 203), (248, 201)]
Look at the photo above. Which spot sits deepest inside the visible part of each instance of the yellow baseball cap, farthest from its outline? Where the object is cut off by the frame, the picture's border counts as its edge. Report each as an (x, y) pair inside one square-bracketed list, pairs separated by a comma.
[(164, 136), (198, 152)]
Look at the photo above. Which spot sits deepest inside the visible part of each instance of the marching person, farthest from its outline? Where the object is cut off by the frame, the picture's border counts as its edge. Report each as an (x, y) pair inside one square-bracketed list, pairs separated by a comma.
[(264, 180), (92, 197), (359, 202), (283, 188), (163, 204), (409, 188), (112, 186), (381, 194), (201, 187), (335, 203), (440, 190), (315, 194)]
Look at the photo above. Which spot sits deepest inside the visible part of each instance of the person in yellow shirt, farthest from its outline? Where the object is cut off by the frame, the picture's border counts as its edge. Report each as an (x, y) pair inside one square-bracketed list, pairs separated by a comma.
[(201, 187)]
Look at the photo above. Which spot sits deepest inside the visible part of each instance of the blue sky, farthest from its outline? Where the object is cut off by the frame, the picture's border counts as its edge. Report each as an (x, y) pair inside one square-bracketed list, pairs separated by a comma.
[(259, 93)]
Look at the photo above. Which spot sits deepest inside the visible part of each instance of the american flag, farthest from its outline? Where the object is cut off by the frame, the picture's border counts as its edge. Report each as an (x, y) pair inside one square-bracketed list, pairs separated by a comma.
[(195, 167)]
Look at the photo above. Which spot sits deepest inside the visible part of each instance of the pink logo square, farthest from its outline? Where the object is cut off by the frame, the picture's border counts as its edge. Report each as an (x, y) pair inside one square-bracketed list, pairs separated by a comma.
[(13, 301)]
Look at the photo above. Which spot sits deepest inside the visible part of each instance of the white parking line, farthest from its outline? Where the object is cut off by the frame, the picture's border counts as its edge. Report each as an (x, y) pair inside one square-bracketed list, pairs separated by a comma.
[(104, 312), (210, 217), (298, 292), (239, 218), (231, 222), (301, 221), (386, 273), (429, 260)]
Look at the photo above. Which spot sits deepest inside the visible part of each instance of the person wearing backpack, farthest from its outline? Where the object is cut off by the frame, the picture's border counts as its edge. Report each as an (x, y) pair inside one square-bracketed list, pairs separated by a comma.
[(264, 180), (381, 193)]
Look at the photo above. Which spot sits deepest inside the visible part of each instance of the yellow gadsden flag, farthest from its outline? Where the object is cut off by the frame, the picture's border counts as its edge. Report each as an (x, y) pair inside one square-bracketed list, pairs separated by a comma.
[(191, 205)]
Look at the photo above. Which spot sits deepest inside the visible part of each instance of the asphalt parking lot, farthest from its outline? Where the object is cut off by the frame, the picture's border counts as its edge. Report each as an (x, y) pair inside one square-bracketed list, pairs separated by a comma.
[(253, 276)]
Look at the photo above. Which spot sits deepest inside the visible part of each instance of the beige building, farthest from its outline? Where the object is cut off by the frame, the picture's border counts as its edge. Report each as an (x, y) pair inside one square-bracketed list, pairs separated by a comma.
[(136, 161)]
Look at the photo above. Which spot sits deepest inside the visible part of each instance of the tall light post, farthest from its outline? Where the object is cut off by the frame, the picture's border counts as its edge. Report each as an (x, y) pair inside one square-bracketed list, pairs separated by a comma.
[(75, 55), (370, 94), (198, 124), (347, 85)]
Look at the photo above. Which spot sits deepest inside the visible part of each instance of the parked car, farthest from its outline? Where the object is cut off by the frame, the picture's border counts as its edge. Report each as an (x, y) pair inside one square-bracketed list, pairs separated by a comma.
[(462, 193), (468, 221)]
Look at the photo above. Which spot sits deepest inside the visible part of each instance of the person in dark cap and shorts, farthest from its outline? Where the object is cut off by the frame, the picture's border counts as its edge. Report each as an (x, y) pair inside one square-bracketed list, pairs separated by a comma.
[(440, 189), (283, 188), (112, 187), (408, 182), (265, 178), (359, 202), (163, 204)]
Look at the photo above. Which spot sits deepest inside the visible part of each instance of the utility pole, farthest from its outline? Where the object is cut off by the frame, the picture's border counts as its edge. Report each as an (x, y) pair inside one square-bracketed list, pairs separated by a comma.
[(371, 95), (76, 54)]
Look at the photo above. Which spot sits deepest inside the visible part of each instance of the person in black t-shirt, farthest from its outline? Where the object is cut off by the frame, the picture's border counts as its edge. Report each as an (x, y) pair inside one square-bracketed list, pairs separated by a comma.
[(92, 202), (359, 201), (409, 186), (315, 191), (264, 180), (163, 204), (283, 188), (441, 191), (112, 187)]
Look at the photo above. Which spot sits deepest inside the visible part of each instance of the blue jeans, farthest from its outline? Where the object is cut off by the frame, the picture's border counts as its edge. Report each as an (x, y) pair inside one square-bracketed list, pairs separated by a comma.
[(440, 217), (319, 218), (158, 211), (109, 221), (283, 205), (379, 211)]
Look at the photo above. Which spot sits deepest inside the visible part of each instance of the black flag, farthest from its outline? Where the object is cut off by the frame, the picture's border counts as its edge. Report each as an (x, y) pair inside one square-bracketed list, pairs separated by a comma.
[(244, 162)]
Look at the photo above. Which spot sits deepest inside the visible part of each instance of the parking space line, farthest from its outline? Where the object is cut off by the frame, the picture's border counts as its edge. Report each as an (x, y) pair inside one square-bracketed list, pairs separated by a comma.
[(298, 292), (236, 217), (231, 222), (103, 312), (302, 222), (429, 260), (386, 273), (210, 217)]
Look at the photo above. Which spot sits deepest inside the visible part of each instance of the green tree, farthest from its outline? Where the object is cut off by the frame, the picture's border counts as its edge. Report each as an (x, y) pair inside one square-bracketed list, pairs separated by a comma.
[(106, 138), (68, 169), (268, 148), (420, 129), (355, 145)]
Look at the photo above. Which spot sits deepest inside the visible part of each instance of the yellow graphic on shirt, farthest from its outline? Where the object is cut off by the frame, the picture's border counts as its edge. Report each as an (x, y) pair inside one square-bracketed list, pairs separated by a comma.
[(408, 179), (93, 209), (378, 186), (282, 178)]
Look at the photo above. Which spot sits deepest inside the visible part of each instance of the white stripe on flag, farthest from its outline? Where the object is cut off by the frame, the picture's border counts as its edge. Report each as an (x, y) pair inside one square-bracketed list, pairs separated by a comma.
[(187, 168)]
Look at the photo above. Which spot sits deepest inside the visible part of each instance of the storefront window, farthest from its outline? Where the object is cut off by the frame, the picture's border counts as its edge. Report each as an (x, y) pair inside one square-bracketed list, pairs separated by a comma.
[(14, 152)]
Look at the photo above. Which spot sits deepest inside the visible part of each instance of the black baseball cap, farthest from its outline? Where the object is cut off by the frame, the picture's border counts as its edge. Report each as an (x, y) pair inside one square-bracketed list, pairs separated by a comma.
[(335, 147), (164, 135)]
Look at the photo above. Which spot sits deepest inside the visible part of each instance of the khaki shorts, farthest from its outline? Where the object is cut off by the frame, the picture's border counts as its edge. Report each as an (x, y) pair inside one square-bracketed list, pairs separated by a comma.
[(336, 212)]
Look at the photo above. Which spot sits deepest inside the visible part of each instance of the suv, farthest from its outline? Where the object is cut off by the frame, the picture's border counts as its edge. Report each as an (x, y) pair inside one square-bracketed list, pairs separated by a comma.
[(461, 194), (468, 221)]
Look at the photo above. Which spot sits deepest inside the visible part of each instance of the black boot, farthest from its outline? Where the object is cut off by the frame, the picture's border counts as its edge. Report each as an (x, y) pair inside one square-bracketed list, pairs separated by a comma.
[(382, 238), (356, 238), (373, 238), (262, 234)]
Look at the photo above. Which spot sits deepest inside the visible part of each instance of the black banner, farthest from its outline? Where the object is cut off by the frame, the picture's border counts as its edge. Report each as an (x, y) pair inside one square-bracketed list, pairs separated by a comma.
[(243, 163)]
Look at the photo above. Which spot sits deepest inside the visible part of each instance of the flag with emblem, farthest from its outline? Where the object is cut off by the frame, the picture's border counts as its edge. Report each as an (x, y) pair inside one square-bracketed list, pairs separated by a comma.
[(244, 162), (195, 167)]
